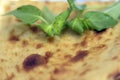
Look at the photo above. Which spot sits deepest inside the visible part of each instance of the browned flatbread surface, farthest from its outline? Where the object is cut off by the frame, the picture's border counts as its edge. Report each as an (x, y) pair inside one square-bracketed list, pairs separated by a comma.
[(26, 53)]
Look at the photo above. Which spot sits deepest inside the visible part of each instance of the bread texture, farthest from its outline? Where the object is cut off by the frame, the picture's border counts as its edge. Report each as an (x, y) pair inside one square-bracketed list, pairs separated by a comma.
[(26, 53)]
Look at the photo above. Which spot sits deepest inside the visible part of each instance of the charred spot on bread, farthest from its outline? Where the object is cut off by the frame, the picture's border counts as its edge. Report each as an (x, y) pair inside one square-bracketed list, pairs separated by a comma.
[(39, 45), (84, 43), (79, 56), (48, 54), (34, 29), (33, 61), (13, 38), (25, 43), (116, 76), (51, 39)]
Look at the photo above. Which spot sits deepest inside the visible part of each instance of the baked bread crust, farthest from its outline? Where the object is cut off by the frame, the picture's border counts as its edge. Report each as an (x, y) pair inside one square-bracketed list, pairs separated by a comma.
[(26, 53)]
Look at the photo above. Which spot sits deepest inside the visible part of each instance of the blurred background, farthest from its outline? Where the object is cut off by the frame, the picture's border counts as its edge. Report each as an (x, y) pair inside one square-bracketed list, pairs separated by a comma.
[(8, 5), (79, 0)]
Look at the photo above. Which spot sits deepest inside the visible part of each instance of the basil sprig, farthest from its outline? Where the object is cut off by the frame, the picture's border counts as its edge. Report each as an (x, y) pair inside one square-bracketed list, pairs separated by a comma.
[(95, 20), (53, 25)]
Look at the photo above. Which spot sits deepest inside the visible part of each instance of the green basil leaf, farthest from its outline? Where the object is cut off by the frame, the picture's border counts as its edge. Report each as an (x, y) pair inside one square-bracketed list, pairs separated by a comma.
[(99, 20), (113, 11), (77, 25), (28, 14), (86, 26), (60, 21), (48, 15), (47, 28)]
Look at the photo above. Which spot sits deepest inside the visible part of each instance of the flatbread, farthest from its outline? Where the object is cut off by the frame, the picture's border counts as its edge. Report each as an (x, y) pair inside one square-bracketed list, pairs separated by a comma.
[(26, 53)]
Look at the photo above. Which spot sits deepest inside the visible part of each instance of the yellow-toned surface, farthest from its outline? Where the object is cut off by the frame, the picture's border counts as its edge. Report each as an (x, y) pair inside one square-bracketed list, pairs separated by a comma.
[(93, 56)]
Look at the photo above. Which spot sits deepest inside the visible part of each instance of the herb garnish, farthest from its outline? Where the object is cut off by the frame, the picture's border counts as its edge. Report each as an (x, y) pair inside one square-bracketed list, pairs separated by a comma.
[(28, 14), (53, 25), (96, 20)]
